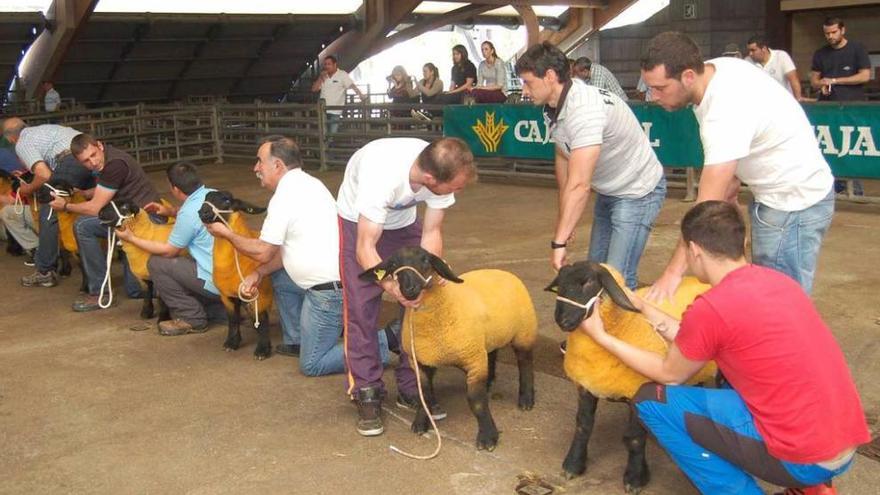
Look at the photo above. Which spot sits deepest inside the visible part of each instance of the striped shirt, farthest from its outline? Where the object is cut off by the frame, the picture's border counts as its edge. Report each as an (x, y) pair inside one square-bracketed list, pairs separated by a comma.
[(604, 79), (587, 116), (43, 143)]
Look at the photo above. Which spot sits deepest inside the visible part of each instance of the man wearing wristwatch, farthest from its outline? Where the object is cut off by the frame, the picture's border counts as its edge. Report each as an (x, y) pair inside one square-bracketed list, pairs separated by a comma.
[(600, 145)]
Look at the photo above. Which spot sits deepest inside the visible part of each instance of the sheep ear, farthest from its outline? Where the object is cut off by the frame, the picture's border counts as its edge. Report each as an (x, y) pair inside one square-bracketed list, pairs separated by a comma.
[(378, 272), (614, 290), (443, 269), (554, 286), (239, 205)]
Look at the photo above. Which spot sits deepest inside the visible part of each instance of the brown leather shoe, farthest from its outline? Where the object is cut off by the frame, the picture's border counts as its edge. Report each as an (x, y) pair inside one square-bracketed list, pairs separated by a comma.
[(171, 328)]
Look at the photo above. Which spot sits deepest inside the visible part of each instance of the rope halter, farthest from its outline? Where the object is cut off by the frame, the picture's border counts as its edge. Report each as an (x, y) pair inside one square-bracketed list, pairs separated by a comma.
[(586, 307), (421, 277), (59, 193), (111, 238)]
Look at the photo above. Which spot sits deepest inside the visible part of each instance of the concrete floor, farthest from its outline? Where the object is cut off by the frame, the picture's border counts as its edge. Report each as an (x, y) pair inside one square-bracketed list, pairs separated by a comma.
[(88, 406)]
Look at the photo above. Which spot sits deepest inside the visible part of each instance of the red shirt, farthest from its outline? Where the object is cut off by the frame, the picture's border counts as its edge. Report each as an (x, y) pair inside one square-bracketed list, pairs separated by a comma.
[(776, 352)]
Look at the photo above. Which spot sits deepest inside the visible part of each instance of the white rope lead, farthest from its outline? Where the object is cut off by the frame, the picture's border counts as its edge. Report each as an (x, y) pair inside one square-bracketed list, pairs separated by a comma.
[(241, 295), (412, 349), (60, 194), (111, 239), (18, 204)]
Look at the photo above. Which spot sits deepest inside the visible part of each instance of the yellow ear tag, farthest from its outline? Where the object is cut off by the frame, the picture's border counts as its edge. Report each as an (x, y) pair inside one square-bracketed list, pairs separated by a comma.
[(554, 289), (380, 274)]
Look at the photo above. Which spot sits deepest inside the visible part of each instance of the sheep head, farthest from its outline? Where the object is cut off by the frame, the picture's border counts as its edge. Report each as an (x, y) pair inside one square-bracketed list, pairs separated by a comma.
[(413, 268), (225, 203), (581, 283), (24, 177), (44, 194), (111, 217)]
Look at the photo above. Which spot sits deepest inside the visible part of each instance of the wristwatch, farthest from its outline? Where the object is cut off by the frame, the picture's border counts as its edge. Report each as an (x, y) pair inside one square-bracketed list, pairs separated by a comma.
[(557, 245)]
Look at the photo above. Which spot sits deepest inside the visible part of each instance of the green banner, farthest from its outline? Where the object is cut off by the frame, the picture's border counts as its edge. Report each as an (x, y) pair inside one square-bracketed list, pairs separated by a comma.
[(846, 134)]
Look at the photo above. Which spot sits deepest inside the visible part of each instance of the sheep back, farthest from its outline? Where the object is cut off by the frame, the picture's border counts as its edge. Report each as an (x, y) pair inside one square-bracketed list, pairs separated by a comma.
[(459, 323), (601, 373), (143, 227)]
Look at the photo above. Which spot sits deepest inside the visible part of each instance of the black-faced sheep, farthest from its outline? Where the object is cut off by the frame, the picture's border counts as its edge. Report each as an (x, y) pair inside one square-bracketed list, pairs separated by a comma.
[(138, 221), (66, 237), (463, 325), (597, 373), (227, 277)]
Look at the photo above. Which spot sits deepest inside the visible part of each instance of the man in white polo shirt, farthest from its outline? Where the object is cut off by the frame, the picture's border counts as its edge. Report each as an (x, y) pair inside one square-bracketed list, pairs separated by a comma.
[(299, 248), (776, 63), (333, 83), (760, 137), (377, 201)]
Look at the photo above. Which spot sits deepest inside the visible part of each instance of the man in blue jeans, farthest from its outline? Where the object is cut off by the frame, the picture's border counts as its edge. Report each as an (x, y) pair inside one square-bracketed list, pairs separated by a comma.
[(299, 248), (600, 145), (779, 423), (752, 130)]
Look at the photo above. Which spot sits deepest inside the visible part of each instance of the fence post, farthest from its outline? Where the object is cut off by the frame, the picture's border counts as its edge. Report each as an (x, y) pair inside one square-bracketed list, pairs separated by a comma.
[(218, 141), (322, 134)]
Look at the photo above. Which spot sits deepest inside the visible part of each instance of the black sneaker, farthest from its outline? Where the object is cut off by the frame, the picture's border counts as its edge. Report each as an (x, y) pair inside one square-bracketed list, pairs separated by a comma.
[(29, 257), (369, 406), (291, 350), (413, 403)]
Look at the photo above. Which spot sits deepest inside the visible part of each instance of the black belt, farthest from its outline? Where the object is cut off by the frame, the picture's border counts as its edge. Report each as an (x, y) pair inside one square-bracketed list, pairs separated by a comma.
[(328, 286)]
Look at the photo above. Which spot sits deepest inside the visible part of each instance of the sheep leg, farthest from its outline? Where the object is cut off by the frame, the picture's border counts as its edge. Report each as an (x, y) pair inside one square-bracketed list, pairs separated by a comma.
[(64, 267), (84, 284), (164, 312), (576, 461), (147, 310), (421, 423), (264, 345), (637, 474), (526, 379), (478, 400), (233, 314), (493, 357)]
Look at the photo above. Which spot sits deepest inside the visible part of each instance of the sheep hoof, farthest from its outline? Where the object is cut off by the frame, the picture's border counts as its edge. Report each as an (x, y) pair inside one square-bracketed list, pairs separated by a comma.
[(526, 403), (487, 441), (231, 344), (146, 315), (632, 490), (228, 349), (569, 475)]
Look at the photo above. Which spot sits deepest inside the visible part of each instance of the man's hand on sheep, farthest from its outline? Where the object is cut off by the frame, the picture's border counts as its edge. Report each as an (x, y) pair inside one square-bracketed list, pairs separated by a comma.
[(391, 286), (664, 288), (160, 209), (250, 284), (594, 327), (218, 229), (558, 258), (124, 233), (57, 203)]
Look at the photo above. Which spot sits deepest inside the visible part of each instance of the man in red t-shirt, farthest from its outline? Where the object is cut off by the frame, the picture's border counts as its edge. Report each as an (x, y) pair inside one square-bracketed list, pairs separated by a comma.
[(793, 416)]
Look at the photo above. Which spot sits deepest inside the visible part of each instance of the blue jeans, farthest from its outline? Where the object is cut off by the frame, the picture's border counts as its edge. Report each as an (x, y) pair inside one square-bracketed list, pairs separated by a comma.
[(89, 231), (711, 436), (620, 230), (332, 124), (313, 320), (789, 241)]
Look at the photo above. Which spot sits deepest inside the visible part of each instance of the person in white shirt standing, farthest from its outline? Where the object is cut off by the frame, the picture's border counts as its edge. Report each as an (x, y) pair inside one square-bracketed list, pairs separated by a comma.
[(383, 183), (333, 83), (760, 137), (51, 98), (776, 63), (299, 248)]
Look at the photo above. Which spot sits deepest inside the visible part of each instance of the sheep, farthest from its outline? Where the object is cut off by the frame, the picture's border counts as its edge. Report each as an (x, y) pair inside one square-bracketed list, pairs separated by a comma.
[(597, 373), (140, 224), (66, 219), (227, 277), (464, 326)]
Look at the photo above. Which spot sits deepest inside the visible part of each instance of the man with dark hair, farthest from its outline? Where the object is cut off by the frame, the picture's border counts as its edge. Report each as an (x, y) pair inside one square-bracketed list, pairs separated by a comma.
[(120, 178), (299, 248), (762, 137), (779, 423), (841, 68), (184, 283), (776, 63), (332, 83), (600, 145), (45, 151), (597, 75), (383, 183)]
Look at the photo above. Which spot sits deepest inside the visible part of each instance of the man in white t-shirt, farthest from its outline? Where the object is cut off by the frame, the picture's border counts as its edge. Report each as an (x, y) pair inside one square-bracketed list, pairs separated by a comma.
[(383, 183), (51, 98), (333, 82), (299, 248), (760, 137), (776, 63), (600, 145)]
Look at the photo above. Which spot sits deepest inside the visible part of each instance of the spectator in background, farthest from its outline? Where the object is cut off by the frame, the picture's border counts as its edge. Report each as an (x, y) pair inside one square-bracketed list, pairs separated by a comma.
[(51, 98), (401, 90), (599, 76), (643, 90), (464, 76), (492, 77), (839, 71), (430, 87), (731, 50), (333, 83), (776, 63)]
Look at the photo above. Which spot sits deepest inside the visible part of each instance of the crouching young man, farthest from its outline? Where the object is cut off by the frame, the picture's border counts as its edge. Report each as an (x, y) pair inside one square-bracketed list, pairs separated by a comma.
[(299, 248), (793, 416), (184, 283)]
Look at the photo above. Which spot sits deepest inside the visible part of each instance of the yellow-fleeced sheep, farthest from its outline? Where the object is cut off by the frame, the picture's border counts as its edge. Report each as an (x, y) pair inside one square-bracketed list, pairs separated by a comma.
[(221, 204), (138, 221), (463, 325), (597, 372)]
